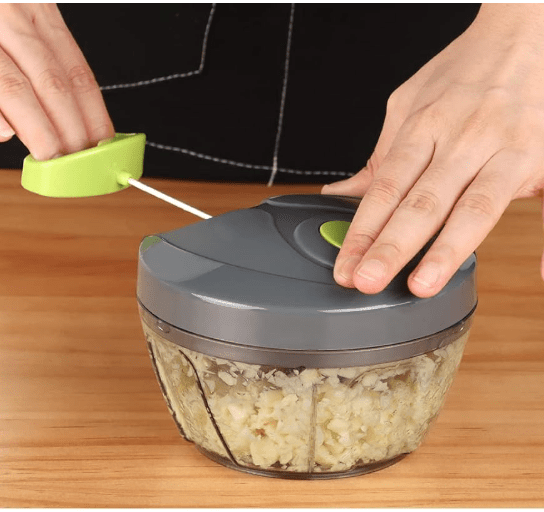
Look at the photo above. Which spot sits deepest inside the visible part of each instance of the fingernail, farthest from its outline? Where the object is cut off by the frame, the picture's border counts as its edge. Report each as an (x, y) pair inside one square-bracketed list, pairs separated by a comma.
[(38, 158), (373, 270), (6, 133), (428, 275), (347, 267)]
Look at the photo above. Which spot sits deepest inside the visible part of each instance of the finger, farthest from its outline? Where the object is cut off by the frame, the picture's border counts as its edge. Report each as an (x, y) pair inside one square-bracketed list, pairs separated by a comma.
[(474, 215), (358, 184), (23, 112), (86, 91), (420, 214), (407, 159), (6, 131), (50, 83)]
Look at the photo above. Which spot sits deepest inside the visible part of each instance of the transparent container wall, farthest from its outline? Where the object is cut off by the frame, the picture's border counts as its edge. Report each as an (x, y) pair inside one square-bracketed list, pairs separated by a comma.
[(303, 423)]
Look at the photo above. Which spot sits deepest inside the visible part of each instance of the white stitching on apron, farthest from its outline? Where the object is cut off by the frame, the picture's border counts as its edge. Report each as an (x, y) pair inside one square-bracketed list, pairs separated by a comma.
[(274, 167), (283, 94), (241, 164), (175, 75)]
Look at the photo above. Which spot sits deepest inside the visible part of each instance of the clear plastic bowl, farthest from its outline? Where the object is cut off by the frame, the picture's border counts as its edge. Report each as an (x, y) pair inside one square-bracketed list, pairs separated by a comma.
[(303, 422)]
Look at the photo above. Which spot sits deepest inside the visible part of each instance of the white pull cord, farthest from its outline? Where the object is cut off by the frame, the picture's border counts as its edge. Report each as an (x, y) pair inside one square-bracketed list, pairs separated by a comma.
[(168, 199)]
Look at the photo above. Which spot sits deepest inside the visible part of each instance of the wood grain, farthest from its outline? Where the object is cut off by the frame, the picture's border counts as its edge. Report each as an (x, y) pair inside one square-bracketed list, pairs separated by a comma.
[(82, 420)]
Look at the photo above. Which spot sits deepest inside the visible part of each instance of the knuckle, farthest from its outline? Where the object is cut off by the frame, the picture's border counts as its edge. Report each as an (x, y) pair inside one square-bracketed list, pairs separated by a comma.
[(496, 97), (358, 243), (475, 124), (442, 253), (424, 202), (52, 81), (434, 177), (425, 119), (78, 144), (100, 130), (407, 151), (82, 79), (385, 190), (13, 84), (478, 203), (389, 247), (393, 101)]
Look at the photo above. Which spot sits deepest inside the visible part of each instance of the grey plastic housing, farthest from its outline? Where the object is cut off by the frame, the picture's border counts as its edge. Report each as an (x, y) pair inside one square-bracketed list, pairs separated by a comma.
[(259, 282)]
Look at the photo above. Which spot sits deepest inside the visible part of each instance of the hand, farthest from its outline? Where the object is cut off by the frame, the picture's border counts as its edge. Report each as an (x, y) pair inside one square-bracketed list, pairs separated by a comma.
[(48, 94), (461, 139)]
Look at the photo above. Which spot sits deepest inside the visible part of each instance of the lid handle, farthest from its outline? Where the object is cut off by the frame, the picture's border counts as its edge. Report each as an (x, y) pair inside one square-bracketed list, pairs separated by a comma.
[(91, 172), (112, 165)]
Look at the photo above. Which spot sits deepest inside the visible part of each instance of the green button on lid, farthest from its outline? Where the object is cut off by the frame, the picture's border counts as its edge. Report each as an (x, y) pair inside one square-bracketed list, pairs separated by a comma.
[(334, 231)]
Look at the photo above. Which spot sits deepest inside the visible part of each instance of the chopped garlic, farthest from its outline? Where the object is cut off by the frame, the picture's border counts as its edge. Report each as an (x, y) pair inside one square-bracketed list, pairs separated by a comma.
[(269, 417), (369, 380), (227, 378)]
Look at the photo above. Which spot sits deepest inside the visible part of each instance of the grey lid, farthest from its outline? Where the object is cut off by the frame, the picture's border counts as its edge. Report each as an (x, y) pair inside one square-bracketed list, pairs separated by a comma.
[(262, 278)]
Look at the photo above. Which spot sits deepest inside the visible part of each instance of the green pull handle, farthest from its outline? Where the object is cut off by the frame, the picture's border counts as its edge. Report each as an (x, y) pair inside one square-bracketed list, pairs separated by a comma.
[(103, 169)]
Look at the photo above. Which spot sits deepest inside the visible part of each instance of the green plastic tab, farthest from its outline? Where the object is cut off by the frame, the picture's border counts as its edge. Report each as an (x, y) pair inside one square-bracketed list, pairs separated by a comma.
[(103, 169), (334, 231)]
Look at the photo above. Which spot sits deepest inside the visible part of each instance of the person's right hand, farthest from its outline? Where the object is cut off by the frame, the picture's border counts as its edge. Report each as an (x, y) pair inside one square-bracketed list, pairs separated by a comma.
[(49, 97)]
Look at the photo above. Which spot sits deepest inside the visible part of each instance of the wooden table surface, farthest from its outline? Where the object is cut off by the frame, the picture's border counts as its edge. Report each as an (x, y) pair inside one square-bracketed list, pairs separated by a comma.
[(82, 420)]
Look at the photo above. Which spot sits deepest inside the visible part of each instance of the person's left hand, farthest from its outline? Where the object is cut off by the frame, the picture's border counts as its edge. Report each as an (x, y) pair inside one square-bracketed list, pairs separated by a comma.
[(461, 139), (49, 96)]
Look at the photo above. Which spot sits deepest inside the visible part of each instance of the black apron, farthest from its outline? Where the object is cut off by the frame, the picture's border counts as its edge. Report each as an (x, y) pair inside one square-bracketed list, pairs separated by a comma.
[(218, 117)]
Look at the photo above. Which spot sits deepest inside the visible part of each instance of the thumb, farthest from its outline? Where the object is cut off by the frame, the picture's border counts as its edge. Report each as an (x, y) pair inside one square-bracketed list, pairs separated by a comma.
[(356, 185)]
